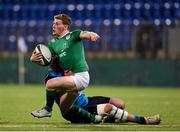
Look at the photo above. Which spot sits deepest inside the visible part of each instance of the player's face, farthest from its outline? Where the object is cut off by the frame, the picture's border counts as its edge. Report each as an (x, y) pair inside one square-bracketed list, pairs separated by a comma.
[(58, 27)]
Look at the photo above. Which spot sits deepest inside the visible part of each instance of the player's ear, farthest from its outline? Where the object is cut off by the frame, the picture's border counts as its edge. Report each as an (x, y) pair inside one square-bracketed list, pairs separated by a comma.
[(66, 27)]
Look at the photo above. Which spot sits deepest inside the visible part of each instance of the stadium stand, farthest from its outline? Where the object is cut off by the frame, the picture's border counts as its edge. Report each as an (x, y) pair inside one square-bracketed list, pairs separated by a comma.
[(113, 19)]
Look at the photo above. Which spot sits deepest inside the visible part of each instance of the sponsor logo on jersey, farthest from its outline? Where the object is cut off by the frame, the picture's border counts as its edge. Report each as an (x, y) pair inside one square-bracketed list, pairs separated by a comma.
[(65, 46), (62, 54)]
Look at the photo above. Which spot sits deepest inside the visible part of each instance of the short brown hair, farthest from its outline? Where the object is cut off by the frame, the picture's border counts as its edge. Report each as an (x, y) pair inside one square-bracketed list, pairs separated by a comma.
[(64, 18)]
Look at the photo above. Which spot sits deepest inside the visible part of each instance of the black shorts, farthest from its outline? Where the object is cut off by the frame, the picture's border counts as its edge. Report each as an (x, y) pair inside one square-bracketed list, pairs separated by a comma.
[(94, 101), (91, 107)]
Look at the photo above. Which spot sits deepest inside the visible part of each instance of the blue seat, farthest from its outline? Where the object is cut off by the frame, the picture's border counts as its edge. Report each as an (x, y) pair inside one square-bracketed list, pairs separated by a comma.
[(118, 1), (1, 14), (3, 43), (121, 39), (137, 14), (116, 11), (126, 13), (147, 13), (156, 13), (166, 13), (177, 14), (126, 40), (6, 2), (107, 11), (89, 14), (116, 38), (12, 46), (98, 12), (6, 12), (80, 15)]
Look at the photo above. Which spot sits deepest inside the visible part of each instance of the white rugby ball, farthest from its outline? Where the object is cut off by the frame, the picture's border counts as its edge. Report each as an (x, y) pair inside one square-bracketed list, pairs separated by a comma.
[(46, 54)]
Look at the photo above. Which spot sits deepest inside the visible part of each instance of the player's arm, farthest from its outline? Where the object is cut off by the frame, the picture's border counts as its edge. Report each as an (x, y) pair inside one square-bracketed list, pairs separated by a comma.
[(89, 35)]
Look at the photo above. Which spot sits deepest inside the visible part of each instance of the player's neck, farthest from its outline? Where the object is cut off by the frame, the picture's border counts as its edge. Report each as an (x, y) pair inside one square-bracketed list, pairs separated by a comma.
[(63, 33)]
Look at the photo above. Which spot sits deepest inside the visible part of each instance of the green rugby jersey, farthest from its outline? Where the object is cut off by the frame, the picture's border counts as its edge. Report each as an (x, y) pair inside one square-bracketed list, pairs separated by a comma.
[(70, 50)]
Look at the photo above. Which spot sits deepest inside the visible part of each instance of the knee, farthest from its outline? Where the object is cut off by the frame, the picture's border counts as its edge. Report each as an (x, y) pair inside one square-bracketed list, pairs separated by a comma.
[(108, 108), (49, 84), (122, 105), (118, 103)]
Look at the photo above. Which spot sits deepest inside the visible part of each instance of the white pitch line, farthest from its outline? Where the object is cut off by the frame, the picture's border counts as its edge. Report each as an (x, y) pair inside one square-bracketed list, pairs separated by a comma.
[(97, 125)]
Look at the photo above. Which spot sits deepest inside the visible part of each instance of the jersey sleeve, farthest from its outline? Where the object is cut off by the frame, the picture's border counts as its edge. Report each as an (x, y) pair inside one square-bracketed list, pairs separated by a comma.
[(76, 34)]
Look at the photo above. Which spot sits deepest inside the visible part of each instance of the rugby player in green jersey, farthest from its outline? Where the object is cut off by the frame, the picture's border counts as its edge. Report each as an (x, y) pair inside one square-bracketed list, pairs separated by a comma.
[(68, 46)]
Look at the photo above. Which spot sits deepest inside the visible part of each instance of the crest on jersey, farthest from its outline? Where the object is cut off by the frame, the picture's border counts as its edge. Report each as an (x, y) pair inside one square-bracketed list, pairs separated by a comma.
[(68, 37), (53, 40)]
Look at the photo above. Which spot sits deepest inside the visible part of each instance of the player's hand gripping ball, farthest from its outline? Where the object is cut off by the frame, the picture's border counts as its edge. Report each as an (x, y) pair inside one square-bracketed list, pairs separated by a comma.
[(46, 54)]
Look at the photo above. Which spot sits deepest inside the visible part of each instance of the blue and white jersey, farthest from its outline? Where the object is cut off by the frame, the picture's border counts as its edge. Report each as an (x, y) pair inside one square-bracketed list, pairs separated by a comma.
[(81, 100), (51, 73)]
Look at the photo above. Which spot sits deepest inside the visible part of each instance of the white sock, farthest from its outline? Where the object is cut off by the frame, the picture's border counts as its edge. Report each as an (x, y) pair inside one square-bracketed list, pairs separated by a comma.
[(119, 114)]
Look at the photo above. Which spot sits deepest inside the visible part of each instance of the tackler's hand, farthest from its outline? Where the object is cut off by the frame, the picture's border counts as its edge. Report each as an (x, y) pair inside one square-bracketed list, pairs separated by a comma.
[(68, 73)]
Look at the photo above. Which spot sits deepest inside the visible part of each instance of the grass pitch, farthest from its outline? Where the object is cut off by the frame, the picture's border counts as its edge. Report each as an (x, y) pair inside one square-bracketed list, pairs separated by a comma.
[(16, 103)]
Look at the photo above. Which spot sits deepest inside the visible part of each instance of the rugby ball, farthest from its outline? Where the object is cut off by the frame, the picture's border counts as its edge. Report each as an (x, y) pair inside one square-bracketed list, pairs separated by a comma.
[(46, 54)]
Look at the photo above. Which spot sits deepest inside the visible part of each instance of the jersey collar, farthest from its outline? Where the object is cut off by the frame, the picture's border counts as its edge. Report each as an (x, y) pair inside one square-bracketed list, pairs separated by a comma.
[(64, 34)]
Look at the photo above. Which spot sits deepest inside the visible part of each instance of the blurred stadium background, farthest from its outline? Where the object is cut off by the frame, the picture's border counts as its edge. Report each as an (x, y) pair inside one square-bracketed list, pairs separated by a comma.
[(139, 47), (139, 39)]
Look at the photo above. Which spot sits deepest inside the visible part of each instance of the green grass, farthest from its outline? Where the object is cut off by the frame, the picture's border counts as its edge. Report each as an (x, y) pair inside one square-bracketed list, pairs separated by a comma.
[(16, 103)]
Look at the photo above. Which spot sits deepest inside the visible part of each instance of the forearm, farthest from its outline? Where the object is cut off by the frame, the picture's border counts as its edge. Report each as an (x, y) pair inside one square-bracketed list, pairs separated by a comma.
[(89, 35)]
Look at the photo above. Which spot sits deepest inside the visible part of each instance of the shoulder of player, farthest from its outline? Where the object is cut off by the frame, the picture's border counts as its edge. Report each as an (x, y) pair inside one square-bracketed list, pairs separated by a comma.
[(75, 34), (75, 31), (52, 41)]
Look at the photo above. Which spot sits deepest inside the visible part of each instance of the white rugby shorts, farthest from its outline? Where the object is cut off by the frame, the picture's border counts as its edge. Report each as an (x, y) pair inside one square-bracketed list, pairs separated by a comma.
[(81, 80)]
